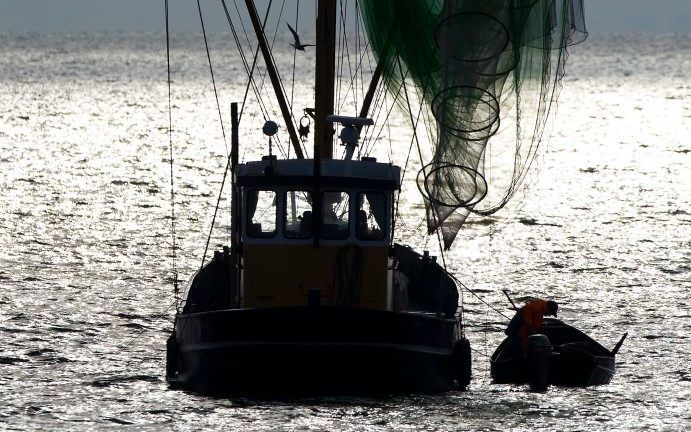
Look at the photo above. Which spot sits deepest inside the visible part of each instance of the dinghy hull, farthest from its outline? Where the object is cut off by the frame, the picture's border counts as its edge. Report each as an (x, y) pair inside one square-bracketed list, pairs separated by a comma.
[(576, 361)]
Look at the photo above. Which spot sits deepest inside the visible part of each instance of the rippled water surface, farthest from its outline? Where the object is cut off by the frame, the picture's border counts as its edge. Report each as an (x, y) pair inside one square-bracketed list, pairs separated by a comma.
[(85, 306)]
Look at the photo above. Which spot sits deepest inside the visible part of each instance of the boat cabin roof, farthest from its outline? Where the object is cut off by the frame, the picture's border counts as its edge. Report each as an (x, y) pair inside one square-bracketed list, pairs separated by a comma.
[(366, 173)]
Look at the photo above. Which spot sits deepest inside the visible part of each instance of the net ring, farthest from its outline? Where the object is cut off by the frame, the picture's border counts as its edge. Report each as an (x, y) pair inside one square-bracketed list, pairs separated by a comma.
[(459, 49), (425, 183), (478, 106)]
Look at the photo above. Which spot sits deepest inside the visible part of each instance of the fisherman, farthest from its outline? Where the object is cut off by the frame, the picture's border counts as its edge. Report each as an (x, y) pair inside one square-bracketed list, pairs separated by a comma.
[(527, 321)]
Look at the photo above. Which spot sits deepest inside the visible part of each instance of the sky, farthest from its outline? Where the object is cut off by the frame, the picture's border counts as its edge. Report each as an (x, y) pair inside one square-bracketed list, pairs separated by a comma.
[(136, 15)]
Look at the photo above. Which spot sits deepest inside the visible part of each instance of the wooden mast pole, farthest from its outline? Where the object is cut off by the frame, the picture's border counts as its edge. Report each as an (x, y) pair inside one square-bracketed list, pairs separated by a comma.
[(234, 206), (324, 80), (273, 76), (323, 100)]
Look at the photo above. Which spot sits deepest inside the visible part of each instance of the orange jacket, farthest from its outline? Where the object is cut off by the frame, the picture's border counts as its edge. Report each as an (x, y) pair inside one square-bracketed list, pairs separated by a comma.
[(532, 314)]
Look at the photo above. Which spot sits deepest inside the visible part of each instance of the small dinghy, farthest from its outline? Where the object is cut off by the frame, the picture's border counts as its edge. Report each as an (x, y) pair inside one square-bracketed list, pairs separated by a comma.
[(562, 355)]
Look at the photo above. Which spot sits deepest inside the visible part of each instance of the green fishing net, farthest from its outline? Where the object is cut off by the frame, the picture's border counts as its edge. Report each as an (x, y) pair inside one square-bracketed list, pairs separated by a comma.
[(486, 72)]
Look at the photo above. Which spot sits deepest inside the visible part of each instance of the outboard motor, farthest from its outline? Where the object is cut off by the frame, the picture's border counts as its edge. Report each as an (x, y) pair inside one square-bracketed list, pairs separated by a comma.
[(539, 353)]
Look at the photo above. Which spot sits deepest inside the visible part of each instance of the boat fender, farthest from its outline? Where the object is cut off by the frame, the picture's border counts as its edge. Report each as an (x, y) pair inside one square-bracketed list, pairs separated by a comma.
[(539, 353), (462, 362), (172, 356)]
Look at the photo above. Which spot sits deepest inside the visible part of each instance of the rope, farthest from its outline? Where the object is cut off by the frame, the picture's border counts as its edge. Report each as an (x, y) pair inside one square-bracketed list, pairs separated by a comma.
[(358, 48), (358, 68), (263, 76), (439, 240), (372, 139), (176, 290), (242, 22), (157, 316), (343, 43), (285, 92), (250, 72), (479, 298), (347, 279), (213, 80), (442, 291), (339, 60), (480, 352), (353, 81), (405, 167), (218, 106)]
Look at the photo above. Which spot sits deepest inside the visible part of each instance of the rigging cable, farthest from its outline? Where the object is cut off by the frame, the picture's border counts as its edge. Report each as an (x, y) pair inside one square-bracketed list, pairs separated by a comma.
[(155, 317), (278, 73), (285, 92), (440, 298), (438, 235), (250, 72), (479, 298), (388, 113), (353, 77), (414, 123), (405, 166), (176, 290), (339, 60), (358, 68), (228, 162), (379, 104), (213, 80), (225, 172), (358, 47), (242, 22), (340, 28), (263, 76)]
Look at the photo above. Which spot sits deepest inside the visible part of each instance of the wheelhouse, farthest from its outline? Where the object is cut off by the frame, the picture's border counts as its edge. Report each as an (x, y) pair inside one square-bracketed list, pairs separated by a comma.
[(321, 239)]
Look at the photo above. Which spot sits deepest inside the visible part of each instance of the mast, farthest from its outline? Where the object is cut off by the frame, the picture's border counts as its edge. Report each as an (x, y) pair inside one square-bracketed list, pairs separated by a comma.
[(324, 79), (273, 76), (234, 205), (323, 99)]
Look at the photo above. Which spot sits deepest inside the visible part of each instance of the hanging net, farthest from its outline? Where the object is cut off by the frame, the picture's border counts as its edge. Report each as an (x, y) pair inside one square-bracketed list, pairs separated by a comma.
[(487, 73)]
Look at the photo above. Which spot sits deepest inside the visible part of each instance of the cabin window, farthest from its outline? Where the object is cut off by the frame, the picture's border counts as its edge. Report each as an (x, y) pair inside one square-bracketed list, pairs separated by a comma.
[(261, 213), (335, 217), (298, 215), (370, 220)]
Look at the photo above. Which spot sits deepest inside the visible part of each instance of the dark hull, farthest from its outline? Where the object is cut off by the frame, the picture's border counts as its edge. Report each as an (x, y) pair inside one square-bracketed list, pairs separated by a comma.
[(314, 350), (577, 360)]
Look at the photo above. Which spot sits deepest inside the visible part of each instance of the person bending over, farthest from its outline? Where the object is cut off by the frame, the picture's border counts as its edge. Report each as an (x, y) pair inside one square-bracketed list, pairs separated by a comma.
[(528, 321)]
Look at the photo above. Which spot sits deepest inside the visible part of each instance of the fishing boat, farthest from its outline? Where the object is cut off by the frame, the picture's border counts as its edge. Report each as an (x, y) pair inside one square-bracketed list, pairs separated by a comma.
[(574, 359), (312, 307), (317, 293)]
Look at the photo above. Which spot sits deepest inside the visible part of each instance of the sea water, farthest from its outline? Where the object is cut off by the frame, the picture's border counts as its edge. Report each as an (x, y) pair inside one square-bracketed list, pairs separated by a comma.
[(603, 226)]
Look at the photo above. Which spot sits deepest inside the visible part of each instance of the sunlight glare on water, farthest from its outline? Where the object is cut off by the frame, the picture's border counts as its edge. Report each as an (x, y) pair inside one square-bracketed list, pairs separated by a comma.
[(85, 267)]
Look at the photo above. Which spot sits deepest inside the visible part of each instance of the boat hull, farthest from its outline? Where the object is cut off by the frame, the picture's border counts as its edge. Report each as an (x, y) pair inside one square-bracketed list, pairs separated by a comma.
[(576, 361), (314, 350)]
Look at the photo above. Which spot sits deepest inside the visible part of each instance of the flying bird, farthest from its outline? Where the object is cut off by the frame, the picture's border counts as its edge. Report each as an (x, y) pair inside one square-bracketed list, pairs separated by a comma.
[(297, 45)]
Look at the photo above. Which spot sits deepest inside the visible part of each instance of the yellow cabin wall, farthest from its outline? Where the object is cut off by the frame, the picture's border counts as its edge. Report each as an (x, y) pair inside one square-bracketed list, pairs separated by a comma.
[(282, 275)]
